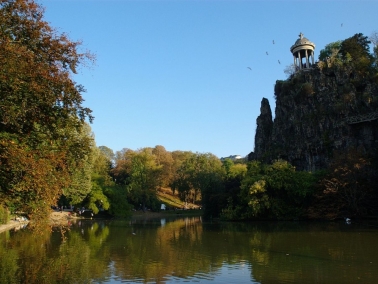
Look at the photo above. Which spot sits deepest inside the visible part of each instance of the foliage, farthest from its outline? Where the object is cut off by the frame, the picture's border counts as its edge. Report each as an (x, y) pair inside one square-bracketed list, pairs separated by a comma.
[(82, 149), (330, 50), (96, 200), (143, 177), (199, 175), (4, 215), (306, 89), (105, 194), (352, 53), (163, 160), (31, 179), (348, 189), (290, 70), (41, 110), (357, 46), (117, 196), (374, 39), (272, 191)]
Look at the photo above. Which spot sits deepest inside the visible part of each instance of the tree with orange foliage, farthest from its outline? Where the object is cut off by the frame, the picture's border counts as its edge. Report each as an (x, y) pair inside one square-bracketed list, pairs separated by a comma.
[(41, 109), (348, 189)]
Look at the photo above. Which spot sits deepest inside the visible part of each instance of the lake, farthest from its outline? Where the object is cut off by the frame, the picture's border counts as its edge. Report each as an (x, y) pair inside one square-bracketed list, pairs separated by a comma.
[(189, 250)]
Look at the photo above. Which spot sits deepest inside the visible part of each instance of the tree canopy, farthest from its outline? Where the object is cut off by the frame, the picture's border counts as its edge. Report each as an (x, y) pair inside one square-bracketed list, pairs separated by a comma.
[(41, 109)]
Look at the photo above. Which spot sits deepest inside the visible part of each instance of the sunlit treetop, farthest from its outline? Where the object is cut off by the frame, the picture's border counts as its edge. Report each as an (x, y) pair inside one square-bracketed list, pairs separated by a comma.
[(37, 64)]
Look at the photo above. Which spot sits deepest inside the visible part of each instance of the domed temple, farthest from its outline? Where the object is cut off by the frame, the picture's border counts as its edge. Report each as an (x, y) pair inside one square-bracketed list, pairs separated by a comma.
[(303, 50)]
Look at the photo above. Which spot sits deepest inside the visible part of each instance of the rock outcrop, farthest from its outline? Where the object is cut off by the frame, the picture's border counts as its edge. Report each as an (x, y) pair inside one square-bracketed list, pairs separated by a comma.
[(318, 111)]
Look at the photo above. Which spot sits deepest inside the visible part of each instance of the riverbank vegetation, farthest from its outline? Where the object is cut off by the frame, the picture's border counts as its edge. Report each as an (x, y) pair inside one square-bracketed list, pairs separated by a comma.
[(48, 155)]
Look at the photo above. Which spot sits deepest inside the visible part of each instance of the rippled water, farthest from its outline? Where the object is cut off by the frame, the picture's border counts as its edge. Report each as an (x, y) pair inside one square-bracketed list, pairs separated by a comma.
[(187, 250)]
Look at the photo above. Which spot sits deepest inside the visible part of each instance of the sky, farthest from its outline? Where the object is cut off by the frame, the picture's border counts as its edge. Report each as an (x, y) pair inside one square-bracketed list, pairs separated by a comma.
[(190, 75)]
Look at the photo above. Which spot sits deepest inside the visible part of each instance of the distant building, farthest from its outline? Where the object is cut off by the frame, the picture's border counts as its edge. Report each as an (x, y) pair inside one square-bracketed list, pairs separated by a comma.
[(232, 158)]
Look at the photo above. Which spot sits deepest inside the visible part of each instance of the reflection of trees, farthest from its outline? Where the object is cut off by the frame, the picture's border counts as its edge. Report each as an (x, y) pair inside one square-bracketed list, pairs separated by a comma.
[(155, 252), (46, 257), (8, 263), (184, 248)]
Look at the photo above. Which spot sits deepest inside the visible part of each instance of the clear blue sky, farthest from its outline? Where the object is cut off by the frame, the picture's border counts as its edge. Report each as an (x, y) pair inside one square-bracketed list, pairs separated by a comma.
[(174, 73)]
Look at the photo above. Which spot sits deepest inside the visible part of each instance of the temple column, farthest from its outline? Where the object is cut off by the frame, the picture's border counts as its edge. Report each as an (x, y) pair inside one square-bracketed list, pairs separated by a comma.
[(300, 60)]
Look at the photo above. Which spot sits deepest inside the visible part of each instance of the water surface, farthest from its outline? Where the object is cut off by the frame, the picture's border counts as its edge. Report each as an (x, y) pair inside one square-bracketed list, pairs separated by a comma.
[(187, 250)]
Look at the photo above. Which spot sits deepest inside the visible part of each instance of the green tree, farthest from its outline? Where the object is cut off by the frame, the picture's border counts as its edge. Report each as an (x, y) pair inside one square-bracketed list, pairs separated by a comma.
[(272, 191), (200, 175), (357, 47), (81, 148), (164, 160), (330, 50), (178, 158), (143, 180)]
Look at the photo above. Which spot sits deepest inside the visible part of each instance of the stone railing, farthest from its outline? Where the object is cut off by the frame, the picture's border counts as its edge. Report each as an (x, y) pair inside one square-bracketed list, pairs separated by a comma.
[(362, 118)]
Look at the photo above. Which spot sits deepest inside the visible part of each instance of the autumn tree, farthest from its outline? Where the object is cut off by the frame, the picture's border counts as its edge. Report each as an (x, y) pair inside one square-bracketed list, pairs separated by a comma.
[(122, 166), (348, 189), (40, 109)]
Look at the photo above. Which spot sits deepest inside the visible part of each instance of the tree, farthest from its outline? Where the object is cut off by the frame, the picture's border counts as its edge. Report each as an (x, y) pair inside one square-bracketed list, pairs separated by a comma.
[(164, 159), (348, 189), (82, 150), (103, 164), (290, 70), (41, 106), (178, 158), (357, 47), (199, 175), (143, 180), (330, 50), (108, 153), (272, 191), (374, 39), (122, 167)]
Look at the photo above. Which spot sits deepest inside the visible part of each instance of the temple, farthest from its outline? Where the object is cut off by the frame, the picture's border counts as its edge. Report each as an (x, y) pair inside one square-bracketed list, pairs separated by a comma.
[(303, 51)]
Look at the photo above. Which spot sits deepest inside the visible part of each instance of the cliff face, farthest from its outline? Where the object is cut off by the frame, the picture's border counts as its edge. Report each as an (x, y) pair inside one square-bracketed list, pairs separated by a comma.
[(318, 111)]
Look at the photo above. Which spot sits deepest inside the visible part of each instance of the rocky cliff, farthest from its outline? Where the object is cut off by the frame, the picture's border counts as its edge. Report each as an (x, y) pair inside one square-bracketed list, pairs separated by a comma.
[(318, 110)]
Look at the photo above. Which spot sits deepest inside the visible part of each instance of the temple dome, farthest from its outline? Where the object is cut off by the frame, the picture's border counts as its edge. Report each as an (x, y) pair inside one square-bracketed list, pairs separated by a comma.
[(302, 42)]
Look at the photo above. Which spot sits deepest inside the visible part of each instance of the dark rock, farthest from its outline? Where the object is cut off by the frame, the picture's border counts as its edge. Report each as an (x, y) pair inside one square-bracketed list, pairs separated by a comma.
[(317, 112)]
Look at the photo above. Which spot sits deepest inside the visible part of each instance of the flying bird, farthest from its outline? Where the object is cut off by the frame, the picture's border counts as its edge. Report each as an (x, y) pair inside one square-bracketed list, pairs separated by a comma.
[(267, 53), (341, 24), (279, 62), (249, 68), (273, 41)]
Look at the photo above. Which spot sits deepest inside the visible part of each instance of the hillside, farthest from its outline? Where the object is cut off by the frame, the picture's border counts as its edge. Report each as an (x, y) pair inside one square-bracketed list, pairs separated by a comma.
[(172, 201)]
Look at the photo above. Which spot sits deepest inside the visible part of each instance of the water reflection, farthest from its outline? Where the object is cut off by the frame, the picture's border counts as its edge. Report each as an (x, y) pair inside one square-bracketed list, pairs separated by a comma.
[(189, 250)]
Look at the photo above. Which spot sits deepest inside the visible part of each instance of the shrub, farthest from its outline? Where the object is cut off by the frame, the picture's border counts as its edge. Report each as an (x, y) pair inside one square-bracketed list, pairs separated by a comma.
[(4, 215)]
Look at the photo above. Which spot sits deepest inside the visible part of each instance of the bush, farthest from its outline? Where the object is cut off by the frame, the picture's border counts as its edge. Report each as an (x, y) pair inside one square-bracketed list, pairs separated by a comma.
[(4, 215)]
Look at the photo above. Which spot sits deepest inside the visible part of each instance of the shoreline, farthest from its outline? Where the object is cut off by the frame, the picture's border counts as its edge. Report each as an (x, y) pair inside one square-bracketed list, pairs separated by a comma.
[(58, 218), (12, 224)]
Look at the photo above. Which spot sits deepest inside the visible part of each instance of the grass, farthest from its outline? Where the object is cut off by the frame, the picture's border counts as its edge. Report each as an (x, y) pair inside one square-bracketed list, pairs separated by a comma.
[(172, 201)]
